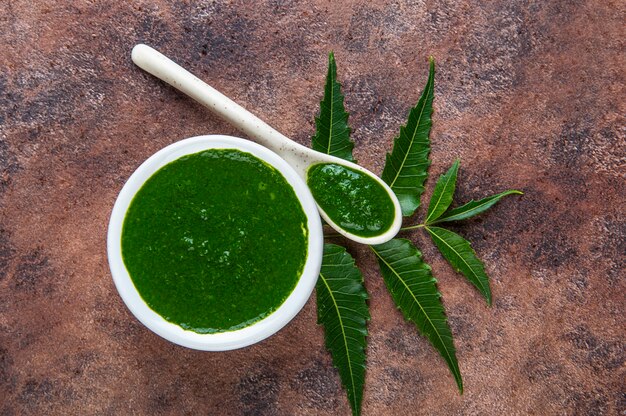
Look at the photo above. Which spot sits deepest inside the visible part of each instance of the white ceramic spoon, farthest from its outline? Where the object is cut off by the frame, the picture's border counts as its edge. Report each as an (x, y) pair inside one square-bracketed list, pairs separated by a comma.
[(298, 156)]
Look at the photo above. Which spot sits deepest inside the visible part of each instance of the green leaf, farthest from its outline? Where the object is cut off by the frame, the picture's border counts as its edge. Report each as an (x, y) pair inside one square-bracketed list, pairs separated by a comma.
[(443, 193), (406, 167), (473, 208), (460, 255), (343, 311), (413, 289), (341, 297), (332, 134)]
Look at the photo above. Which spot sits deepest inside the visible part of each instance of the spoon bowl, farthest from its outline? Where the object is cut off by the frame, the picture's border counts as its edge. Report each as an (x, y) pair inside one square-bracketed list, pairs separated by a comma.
[(299, 157)]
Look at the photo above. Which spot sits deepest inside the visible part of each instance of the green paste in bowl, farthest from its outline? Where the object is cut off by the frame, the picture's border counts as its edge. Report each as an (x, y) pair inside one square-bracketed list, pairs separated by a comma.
[(215, 241)]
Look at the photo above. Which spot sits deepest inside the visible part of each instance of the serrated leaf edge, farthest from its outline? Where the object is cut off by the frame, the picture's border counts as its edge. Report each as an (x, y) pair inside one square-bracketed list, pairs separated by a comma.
[(455, 371), (453, 171), (331, 80), (427, 88), (345, 339), (485, 290), (497, 198)]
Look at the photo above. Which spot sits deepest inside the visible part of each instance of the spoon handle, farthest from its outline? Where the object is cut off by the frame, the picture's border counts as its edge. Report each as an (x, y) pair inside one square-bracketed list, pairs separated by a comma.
[(167, 70)]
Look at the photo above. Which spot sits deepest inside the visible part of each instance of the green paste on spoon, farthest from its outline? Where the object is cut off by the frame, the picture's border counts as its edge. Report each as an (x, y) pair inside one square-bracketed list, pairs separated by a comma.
[(351, 199)]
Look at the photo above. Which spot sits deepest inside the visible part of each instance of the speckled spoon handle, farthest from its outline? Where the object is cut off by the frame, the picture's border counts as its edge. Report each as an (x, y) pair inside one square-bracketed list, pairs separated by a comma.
[(159, 65)]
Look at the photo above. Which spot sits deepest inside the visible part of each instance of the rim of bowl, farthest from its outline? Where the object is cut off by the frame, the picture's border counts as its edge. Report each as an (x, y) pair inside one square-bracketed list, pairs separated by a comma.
[(222, 341)]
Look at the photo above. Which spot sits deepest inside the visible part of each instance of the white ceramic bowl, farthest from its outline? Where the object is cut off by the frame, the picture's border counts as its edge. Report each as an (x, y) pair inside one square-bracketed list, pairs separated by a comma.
[(225, 340)]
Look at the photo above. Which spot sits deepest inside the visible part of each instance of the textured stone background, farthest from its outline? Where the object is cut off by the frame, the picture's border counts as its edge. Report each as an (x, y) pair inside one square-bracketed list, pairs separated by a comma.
[(529, 95)]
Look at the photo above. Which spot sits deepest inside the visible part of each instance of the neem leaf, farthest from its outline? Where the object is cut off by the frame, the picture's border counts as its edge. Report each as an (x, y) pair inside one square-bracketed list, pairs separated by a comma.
[(462, 258), (406, 167), (332, 133), (443, 193), (343, 312), (473, 208), (414, 291)]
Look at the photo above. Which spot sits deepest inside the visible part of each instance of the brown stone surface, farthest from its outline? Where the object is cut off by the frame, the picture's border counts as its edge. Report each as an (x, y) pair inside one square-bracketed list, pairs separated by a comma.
[(528, 94)]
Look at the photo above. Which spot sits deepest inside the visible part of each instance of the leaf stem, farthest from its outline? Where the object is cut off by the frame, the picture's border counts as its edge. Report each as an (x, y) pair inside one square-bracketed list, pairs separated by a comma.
[(412, 227)]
